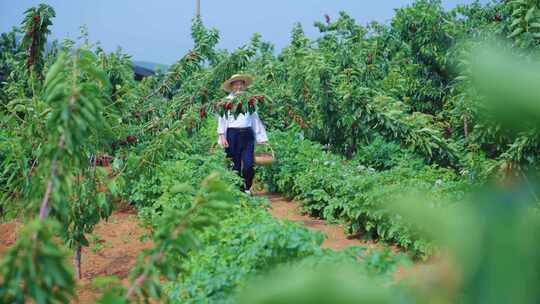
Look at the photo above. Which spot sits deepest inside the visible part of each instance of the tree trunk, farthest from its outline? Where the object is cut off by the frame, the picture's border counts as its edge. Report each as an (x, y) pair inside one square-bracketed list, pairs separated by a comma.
[(77, 262), (465, 126)]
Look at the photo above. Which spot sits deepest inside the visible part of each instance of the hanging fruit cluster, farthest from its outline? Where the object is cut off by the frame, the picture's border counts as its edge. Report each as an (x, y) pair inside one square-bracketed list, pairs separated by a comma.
[(36, 25), (202, 112), (297, 119), (129, 140), (101, 160), (33, 46), (242, 103)]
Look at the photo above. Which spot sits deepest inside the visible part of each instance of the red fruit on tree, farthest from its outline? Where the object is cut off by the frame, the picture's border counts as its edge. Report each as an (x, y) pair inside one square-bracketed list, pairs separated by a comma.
[(202, 112), (37, 18), (131, 138), (448, 132), (193, 55), (251, 101), (260, 98), (239, 107), (498, 18)]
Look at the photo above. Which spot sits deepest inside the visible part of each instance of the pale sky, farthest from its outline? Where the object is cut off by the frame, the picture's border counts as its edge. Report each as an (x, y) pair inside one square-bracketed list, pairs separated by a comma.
[(159, 30)]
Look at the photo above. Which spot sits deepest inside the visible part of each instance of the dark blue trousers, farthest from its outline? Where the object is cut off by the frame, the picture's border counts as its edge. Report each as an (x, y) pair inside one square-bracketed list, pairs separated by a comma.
[(241, 148)]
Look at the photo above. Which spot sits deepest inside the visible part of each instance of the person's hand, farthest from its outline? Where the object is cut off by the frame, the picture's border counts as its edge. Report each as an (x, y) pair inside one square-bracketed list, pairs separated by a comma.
[(223, 141)]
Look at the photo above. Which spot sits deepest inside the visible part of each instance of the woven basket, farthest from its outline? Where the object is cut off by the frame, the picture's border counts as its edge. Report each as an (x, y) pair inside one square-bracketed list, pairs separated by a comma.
[(265, 158)]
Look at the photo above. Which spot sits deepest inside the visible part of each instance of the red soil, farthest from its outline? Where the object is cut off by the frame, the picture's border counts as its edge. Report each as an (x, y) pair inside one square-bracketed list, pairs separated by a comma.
[(8, 232), (114, 254)]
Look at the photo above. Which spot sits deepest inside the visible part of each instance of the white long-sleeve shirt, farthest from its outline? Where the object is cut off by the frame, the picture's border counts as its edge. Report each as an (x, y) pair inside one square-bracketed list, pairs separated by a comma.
[(246, 120)]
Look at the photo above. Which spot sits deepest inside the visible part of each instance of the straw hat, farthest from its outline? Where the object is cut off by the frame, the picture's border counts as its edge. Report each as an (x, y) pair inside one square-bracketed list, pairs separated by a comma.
[(227, 85)]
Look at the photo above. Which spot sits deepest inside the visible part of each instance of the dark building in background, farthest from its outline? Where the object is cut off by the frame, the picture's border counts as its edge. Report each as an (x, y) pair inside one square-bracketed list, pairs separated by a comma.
[(141, 72)]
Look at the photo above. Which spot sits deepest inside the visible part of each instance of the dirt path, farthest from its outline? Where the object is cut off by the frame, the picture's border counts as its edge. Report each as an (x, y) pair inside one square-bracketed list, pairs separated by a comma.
[(335, 236), (8, 233), (114, 247), (117, 254), (436, 269)]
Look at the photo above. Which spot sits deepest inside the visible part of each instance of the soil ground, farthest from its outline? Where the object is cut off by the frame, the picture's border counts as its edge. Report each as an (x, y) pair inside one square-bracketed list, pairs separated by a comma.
[(120, 246), (112, 253), (8, 233)]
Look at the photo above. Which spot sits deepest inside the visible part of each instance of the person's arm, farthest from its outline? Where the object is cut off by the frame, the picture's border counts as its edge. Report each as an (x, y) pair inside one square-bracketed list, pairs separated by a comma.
[(258, 128), (221, 129)]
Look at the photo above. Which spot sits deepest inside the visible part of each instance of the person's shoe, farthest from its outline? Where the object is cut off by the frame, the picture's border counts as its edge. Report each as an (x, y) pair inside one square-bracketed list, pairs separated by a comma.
[(247, 192)]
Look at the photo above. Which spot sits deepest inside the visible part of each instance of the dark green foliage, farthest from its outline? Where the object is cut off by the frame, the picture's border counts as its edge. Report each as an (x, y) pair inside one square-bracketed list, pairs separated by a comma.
[(382, 155), (8, 50), (360, 197), (249, 242)]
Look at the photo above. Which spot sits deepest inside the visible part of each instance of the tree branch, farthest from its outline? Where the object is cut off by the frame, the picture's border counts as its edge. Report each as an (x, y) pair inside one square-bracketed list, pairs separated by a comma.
[(44, 209)]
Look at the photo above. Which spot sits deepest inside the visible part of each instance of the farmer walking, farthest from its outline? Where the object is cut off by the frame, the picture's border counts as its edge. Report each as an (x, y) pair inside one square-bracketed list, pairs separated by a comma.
[(239, 134)]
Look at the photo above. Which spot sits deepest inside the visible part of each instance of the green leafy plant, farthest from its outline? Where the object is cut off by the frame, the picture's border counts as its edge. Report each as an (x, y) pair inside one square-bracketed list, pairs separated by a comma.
[(356, 195), (35, 267), (525, 18)]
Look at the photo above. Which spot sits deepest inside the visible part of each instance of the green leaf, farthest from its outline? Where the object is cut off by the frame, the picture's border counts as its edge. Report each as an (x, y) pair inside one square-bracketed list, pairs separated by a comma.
[(181, 188), (530, 13), (516, 32)]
